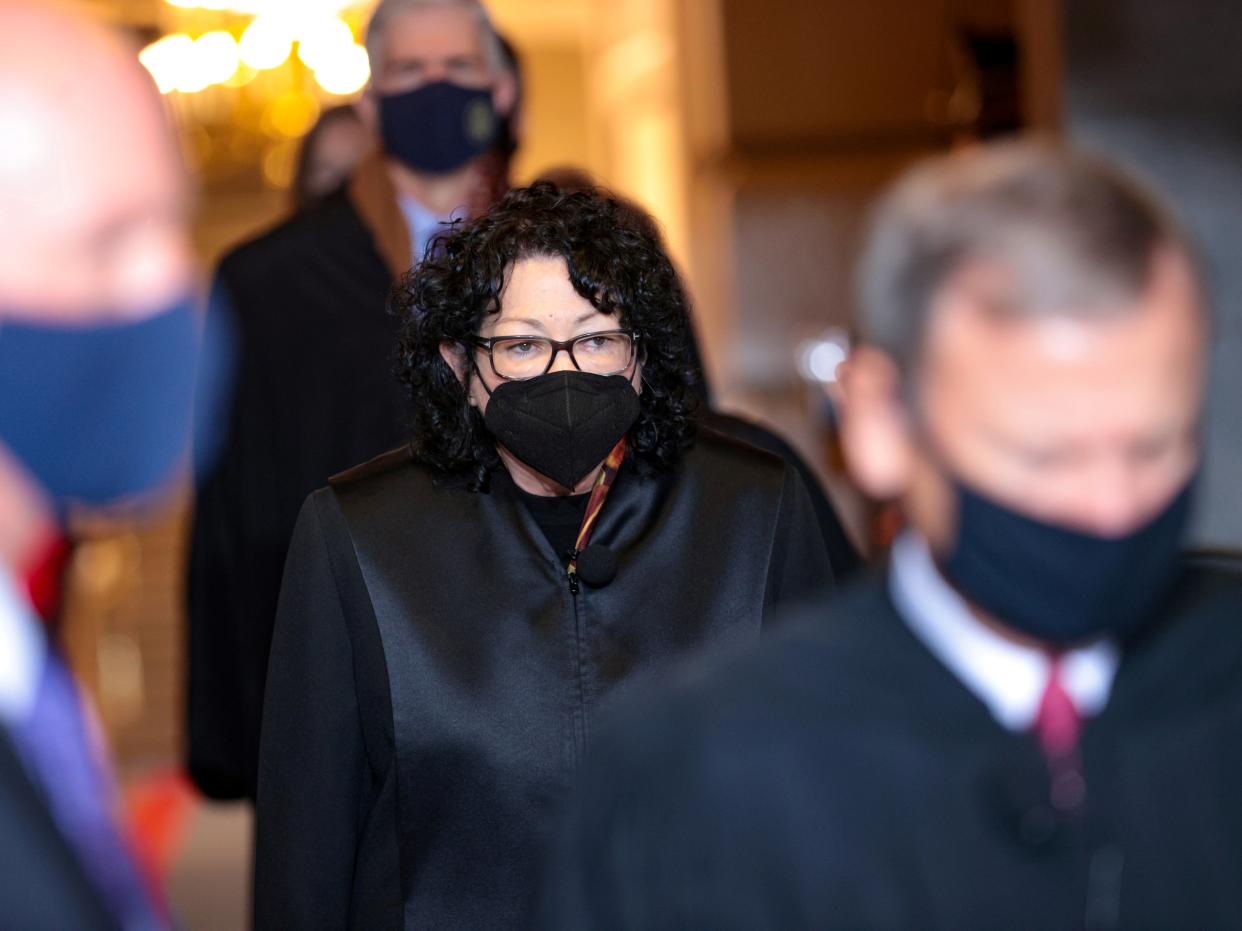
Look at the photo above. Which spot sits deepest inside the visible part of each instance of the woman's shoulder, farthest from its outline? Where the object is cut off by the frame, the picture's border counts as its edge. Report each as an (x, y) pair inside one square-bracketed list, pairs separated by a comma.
[(383, 468), (394, 488), (721, 454)]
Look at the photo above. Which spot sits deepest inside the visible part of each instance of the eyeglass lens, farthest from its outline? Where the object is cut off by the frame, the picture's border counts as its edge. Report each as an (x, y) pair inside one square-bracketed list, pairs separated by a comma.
[(527, 357)]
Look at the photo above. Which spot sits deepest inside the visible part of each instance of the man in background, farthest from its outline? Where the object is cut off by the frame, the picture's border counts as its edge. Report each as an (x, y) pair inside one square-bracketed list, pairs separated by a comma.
[(316, 392), (1034, 718), (98, 353)]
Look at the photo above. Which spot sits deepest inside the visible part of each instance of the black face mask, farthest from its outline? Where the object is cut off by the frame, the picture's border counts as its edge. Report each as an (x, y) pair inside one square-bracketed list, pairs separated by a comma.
[(1060, 585), (562, 424), (438, 127)]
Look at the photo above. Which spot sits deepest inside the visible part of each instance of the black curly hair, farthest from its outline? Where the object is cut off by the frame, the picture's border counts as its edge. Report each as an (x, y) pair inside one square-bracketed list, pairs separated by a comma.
[(616, 261)]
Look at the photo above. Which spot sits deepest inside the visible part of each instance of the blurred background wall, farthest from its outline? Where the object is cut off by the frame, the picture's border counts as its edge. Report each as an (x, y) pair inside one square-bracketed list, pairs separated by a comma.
[(757, 132), (1158, 83)]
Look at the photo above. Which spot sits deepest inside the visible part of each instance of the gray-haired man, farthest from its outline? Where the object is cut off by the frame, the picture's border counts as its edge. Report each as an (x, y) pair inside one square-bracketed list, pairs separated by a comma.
[(1034, 718), (315, 393)]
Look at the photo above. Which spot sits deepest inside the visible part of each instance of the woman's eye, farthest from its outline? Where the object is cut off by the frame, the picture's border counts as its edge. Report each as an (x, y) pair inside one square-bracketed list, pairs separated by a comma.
[(519, 349)]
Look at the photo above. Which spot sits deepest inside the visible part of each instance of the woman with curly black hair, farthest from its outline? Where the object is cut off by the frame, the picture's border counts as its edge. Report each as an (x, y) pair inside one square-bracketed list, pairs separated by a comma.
[(454, 611)]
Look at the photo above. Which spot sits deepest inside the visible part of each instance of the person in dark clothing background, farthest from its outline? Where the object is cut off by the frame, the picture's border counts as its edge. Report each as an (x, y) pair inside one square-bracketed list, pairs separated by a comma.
[(1034, 717), (316, 391), (453, 612)]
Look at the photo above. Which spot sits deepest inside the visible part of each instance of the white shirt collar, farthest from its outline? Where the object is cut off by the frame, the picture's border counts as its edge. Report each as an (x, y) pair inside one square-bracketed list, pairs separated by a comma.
[(23, 648), (423, 224), (1008, 677)]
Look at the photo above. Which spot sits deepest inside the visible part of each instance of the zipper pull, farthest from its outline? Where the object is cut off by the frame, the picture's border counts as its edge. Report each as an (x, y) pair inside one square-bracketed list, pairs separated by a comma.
[(572, 572)]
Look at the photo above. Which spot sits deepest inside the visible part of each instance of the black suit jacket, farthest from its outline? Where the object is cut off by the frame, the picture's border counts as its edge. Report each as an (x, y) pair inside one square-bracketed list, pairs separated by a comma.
[(841, 777), (316, 392), (42, 886)]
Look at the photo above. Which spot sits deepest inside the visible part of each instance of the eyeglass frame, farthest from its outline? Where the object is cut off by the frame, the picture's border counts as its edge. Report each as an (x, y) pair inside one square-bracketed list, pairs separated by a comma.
[(558, 346)]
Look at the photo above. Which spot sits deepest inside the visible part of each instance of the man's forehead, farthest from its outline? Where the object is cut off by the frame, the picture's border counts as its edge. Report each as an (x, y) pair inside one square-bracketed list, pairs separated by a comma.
[(980, 359), (433, 32)]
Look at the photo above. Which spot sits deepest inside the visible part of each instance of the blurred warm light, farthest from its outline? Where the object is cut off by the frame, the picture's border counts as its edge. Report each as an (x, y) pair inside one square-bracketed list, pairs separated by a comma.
[(179, 63), (279, 164), (217, 56), (166, 58), (242, 76), (267, 42), (261, 7), (321, 39), (292, 114), (100, 565), (324, 41), (347, 72)]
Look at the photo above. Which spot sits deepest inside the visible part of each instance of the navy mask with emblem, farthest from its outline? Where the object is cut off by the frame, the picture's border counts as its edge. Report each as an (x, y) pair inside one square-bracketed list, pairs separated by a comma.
[(438, 128)]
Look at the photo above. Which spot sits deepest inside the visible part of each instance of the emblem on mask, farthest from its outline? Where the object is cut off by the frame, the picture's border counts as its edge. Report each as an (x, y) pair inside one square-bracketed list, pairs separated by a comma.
[(480, 121)]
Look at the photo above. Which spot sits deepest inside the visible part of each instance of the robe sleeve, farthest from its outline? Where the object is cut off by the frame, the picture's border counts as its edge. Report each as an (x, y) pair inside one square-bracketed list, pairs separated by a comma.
[(312, 755), (800, 564)]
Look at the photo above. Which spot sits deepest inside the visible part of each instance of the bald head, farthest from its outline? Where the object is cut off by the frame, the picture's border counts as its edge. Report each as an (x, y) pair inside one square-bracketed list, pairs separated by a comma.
[(92, 192)]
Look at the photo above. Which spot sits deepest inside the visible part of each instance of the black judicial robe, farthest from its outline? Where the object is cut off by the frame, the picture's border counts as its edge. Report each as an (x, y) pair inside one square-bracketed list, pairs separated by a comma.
[(841, 777), (433, 678), (845, 558), (316, 393)]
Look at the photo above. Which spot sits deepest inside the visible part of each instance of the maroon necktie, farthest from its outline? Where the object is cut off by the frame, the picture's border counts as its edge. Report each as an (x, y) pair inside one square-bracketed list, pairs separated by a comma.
[(1057, 727), (1058, 724)]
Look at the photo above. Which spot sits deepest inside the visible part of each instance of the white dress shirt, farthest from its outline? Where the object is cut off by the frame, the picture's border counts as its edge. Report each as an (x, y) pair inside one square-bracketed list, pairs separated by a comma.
[(424, 225), (1008, 677), (23, 648)]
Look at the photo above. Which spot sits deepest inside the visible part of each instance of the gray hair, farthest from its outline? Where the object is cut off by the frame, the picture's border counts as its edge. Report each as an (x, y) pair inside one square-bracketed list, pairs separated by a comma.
[(1073, 233), (388, 10)]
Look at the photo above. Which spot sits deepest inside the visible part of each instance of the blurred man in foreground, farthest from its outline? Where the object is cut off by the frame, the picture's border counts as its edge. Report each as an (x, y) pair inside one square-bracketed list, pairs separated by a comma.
[(316, 390), (98, 353), (1035, 718)]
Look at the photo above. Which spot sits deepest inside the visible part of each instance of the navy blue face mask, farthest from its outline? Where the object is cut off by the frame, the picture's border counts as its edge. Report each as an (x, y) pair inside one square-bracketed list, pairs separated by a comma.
[(1060, 585), (438, 128), (100, 413)]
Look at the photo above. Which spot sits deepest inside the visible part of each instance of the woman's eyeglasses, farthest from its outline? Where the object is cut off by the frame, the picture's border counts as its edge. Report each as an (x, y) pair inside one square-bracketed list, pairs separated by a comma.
[(519, 357)]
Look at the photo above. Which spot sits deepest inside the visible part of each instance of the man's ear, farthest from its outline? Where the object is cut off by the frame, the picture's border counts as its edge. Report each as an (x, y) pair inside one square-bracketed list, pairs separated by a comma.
[(455, 357), (504, 94), (875, 427)]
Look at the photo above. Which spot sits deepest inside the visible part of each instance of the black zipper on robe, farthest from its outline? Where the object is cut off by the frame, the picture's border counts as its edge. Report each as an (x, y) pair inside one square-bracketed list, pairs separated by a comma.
[(580, 713)]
